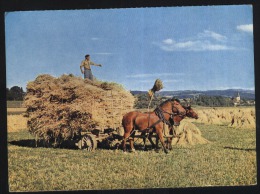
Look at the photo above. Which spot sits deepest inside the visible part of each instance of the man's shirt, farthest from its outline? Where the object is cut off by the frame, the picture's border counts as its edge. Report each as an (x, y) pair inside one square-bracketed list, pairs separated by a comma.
[(86, 64)]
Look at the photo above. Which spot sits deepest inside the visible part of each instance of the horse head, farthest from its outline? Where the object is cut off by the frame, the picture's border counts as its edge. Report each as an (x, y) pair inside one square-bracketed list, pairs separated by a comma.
[(177, 108), (190, 112), (172, 107)]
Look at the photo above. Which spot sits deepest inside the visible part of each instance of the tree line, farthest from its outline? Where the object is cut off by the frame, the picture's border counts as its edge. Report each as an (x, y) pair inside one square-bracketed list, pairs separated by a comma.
[(142, 101), (15, 93)]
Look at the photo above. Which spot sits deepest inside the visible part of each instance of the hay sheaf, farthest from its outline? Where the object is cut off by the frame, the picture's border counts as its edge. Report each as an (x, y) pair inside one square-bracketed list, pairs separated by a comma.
[(188, 134), (63, 107), (235, 117)]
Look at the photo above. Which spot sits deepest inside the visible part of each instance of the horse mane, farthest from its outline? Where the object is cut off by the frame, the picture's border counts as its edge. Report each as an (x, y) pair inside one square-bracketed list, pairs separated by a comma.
[(164, 102), (169, 100)]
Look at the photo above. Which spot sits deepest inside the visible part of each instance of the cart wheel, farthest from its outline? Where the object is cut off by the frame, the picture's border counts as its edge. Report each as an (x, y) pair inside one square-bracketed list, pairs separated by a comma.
[(88, 143)]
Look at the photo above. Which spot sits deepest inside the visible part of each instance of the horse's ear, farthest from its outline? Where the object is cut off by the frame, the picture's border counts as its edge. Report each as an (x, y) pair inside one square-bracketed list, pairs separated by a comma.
[(187, 103)]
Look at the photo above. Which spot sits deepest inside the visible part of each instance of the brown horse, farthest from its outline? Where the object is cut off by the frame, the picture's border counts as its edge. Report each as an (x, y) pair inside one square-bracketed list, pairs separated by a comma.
[(174, 121), (149, 122)]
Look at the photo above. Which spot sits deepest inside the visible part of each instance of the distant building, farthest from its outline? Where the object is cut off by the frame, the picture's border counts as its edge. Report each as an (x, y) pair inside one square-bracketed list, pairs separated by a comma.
[(237, 100), (250, 102)]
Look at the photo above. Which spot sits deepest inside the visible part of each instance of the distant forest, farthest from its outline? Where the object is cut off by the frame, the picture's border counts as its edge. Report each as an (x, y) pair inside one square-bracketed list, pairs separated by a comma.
[(15, 93), (142, 101)]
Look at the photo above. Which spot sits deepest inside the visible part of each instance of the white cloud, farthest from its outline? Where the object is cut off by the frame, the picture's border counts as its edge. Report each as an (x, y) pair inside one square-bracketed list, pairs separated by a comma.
[(168, 41), (211, 34), (245, 28), (197, 45), (205, 41)]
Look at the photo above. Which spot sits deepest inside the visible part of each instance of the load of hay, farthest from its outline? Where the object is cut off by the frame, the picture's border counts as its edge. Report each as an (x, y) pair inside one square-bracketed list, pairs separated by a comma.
[(63, 107), (188, 134)]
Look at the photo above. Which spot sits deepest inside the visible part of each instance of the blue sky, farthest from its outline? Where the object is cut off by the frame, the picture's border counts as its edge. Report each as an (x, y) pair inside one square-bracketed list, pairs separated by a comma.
[(201, 48)]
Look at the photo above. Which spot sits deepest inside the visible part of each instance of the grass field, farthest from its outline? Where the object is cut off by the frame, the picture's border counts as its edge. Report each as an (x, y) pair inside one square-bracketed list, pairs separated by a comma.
[(230, 159), (14, 104)]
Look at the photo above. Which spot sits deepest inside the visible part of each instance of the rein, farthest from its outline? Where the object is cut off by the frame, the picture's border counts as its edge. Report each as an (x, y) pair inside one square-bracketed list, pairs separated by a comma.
[(159, 112)]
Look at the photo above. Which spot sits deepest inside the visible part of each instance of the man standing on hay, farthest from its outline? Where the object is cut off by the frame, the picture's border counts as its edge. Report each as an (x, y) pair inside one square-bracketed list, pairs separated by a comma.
[(86, 67)]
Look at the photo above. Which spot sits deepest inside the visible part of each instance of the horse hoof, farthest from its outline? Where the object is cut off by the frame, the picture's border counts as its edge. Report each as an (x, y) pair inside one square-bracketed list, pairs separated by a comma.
[(132, 150), (166, 151)]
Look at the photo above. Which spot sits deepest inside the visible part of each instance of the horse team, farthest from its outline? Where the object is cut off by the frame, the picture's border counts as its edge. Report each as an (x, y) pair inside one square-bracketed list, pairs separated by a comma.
[(169, 113)]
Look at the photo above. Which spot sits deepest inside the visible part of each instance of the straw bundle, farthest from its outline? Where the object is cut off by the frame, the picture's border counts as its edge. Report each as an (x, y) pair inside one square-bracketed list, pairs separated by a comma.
[(235, 117), (158, 85), (188, 134)]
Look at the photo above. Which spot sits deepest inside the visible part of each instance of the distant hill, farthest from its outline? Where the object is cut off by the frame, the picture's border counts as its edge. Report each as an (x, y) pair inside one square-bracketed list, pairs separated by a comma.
[(244, 94)]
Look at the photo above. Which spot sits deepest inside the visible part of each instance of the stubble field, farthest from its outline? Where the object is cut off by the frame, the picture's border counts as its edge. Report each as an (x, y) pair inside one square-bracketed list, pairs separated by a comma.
[(229, 160)]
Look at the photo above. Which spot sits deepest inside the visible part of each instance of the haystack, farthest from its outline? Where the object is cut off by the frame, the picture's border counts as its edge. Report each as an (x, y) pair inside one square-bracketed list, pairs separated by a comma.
[(63, 107), (243, 119), (235, 117), (188, 134)]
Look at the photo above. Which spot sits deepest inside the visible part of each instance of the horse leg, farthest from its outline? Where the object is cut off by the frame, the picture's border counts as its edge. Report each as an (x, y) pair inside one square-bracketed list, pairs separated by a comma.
[(169, 139), (166, 143), (169, 143), (150, 140), (128, 127), (143, 134), (160, 135), (131, 141), (157, 142), (126, 135)]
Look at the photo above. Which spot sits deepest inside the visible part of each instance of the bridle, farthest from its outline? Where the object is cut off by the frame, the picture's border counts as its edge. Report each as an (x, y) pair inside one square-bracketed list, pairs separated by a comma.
[(159, 112)]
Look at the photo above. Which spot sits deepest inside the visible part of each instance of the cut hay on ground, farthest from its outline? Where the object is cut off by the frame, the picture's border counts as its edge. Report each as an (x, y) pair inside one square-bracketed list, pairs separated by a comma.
[(63, 107), (188, 134), (236, 117)]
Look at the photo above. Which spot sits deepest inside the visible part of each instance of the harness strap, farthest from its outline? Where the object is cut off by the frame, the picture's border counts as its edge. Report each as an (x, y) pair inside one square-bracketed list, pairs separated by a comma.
[(159, 112), (149, 127)]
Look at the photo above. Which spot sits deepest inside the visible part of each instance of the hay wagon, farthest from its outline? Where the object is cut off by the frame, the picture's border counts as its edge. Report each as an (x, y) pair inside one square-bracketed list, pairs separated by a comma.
[(107, 138), (110, 132)]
